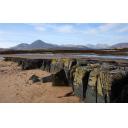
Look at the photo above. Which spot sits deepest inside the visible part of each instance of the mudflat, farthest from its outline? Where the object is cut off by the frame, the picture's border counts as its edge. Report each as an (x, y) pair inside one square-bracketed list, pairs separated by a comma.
[(15, 87)]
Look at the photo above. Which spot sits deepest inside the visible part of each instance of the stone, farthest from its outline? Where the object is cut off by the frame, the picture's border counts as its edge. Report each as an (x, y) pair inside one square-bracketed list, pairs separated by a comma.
[(119, 87), (60, 79), (47, 79), (80, 82), (31, 64), (82, 62), (56, 65), (46, 65), (34, 78)]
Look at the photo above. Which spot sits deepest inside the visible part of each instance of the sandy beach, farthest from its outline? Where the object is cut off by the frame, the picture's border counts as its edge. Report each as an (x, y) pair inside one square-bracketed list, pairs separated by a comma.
[(15, 87)]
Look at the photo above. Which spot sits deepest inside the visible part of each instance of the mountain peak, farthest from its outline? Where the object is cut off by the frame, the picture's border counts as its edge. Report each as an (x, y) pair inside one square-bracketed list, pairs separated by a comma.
[(39, 44)]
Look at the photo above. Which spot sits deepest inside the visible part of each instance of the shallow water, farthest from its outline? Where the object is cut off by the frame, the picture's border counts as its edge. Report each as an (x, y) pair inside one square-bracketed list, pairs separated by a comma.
[(1, 58), (66, 55), (104, 56)]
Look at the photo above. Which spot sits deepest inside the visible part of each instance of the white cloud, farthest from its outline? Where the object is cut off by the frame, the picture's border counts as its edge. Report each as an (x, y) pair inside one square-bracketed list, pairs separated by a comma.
[(71, 28), (89, 31), (65, 29), (124, 29), (39, 26), (107, 27)]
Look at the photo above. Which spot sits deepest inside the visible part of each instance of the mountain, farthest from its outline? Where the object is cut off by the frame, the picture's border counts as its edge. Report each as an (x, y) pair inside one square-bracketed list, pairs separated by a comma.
[(39, 44), (98, 46), (2, 49), (120, 45), (20, 46), (73, 47)]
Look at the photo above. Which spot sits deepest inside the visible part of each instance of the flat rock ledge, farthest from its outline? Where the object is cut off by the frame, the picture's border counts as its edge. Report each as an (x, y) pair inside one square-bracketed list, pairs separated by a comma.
[(92, 81)]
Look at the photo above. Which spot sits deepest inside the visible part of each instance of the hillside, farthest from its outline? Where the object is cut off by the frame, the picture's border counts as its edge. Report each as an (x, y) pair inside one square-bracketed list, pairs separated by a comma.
[(120, 45), (39, 44)]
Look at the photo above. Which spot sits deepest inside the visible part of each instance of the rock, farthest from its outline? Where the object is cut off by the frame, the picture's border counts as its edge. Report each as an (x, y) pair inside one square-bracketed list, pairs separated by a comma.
[(80, 82), (91, 80), (31, 64), (91, 92), (119, 87), (71, 76), (56, 65), (46, 65), (68, 66), (60, 79), (34, 78), (82, 62), (47, 79), (106, 84)]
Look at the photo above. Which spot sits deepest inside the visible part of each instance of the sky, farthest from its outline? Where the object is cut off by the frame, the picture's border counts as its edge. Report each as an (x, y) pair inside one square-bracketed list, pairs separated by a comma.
[(12, 34)]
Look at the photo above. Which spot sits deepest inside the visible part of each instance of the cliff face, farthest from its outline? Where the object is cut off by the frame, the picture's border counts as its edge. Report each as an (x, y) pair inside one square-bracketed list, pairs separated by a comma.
[(93, 82)]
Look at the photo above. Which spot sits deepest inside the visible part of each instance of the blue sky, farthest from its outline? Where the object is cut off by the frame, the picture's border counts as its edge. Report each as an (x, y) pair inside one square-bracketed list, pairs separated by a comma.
[(63, 33)]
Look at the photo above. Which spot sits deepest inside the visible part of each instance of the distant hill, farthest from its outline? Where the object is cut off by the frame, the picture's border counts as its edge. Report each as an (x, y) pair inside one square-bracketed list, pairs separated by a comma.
[(120, 45), (39, 44), (20, 46), (2, 49), (98, 46)]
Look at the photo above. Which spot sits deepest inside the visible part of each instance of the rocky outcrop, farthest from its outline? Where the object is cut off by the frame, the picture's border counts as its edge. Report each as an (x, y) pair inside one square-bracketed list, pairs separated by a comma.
[(102, 81), (92, 81), (80, 81)]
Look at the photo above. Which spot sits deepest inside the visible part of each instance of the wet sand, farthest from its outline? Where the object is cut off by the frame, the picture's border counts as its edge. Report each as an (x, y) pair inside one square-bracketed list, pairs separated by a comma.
[(15, 87)]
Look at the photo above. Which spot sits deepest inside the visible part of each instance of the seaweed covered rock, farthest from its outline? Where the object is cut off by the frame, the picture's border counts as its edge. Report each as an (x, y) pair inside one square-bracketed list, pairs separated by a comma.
[(80, 82), (68, 65), (56, 65), (91, 92), (119, 86), (106, 84)]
